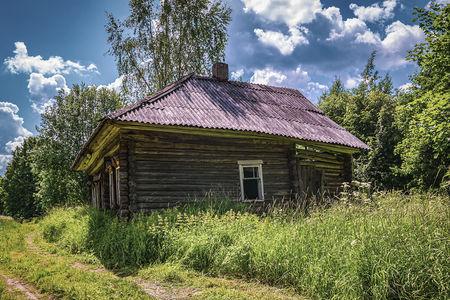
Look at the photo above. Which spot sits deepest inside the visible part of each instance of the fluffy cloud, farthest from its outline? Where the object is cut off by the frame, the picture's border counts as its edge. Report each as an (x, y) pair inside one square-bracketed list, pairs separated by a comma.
[(284, 43), (297, 78), (237, 75), (21, 62), (46, 75), (367, 37), (291, 12), (46, 87), (375, 12), (12, 132), (12, 145), (42, 90), (4, 161), (348, 28), (352, 82), (399, 39), (315, 88), (268, 76), (11, 125), (116, 85)]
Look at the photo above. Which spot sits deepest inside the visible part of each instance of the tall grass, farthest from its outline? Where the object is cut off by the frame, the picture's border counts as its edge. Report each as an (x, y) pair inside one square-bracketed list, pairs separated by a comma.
[(397, 247)]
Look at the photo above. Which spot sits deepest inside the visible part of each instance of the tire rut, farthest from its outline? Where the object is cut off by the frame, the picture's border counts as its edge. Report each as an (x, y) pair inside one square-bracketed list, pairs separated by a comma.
[(24, 288)]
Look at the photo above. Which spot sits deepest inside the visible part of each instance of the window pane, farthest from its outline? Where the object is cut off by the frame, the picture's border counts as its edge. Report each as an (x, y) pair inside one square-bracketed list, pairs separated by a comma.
[(251, 189), (251, 172), (248, 172)]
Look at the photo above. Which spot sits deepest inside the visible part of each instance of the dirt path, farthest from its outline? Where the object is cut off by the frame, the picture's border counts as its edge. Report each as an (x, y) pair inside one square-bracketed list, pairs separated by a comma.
[(151, 288), (158, 291), (25, 289)]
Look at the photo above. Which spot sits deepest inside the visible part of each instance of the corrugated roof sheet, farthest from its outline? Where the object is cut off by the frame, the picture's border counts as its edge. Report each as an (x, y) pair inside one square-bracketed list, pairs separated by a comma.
[(204, 102)]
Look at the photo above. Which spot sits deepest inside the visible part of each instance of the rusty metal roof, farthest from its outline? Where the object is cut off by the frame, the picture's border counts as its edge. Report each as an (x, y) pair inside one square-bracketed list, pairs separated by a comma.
[(204, 102)]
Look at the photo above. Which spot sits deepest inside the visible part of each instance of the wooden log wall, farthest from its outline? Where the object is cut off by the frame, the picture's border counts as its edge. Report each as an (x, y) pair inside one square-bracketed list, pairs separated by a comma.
[(166, 169), (332, 169)]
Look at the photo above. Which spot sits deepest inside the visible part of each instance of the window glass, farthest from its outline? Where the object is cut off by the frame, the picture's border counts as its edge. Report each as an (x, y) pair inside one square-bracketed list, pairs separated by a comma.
[(250, 172), (251, 189), (251, 180)]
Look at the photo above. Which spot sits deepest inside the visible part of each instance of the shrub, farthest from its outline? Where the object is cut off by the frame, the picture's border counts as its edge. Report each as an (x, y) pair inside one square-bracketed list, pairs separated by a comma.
[(68, 228)]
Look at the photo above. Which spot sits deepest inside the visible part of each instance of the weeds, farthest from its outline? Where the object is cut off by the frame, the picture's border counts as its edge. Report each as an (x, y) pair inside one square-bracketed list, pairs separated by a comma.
[(397, 248)]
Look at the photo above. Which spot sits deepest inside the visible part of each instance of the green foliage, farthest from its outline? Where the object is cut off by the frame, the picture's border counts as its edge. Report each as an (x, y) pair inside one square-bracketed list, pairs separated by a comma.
[(426, 146), (65, 127), (397, 247), (19, 184), (368, 112), (161, 41), (2, 196), (423, 113), (432, 56)]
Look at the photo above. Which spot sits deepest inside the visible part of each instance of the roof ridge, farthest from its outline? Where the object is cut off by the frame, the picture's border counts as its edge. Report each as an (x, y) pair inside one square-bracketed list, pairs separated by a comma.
[(148, 99), (259, 86)]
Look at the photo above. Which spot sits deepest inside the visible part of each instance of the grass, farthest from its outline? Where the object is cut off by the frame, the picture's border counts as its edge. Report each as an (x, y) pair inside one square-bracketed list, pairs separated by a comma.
[(395, 247), (65, 269)]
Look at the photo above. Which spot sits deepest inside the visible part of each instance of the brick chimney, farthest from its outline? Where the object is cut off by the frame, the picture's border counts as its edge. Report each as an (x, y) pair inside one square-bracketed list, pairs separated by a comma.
[(220, 71)]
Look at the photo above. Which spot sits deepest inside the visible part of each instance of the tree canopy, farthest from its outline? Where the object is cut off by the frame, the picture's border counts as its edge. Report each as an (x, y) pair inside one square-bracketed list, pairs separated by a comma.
[(19, 184), (160, 41), (367, 111), (64, 128)]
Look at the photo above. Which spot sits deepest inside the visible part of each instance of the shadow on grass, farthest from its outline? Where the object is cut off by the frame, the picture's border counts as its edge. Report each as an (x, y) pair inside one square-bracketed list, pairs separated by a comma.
[(126, 246)]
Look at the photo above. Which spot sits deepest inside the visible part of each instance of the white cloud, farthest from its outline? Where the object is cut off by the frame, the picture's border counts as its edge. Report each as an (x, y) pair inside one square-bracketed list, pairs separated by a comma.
[(291, 12), (375, 12), (268, 76), (21, 62), (367, 37), (392, 50), (299, 75), (348, 28), (46, 87), (274, 77), (284, 43), (237, 75), (116, 85), (12, 132), (400, 38), (42, 90), (41, 107), (297, 78), (316, 88), (12, 145), (352, 82), (5, 159), (10, 122)]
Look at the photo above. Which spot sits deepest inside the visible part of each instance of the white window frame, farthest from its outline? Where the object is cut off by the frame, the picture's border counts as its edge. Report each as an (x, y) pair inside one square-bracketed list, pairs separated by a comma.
[(117, 186), (112, 190), (251, 164)]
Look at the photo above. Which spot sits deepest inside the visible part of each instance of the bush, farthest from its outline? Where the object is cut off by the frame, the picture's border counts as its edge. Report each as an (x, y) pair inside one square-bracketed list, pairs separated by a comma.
[(68, 228), (397, 248)]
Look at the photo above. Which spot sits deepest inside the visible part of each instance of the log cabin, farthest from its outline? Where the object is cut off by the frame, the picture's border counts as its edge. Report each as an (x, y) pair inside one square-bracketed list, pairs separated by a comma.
[(198, 135)]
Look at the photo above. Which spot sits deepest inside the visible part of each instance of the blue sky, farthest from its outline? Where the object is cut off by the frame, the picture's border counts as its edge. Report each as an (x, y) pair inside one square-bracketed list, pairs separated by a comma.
[(49, 45)]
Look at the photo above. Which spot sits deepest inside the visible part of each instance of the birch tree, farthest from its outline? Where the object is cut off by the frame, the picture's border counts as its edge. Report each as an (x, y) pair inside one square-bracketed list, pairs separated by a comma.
[(160, 41)]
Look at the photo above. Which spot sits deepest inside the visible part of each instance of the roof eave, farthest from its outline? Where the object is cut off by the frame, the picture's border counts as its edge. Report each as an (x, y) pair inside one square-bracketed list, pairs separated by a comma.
[(78, 159)]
